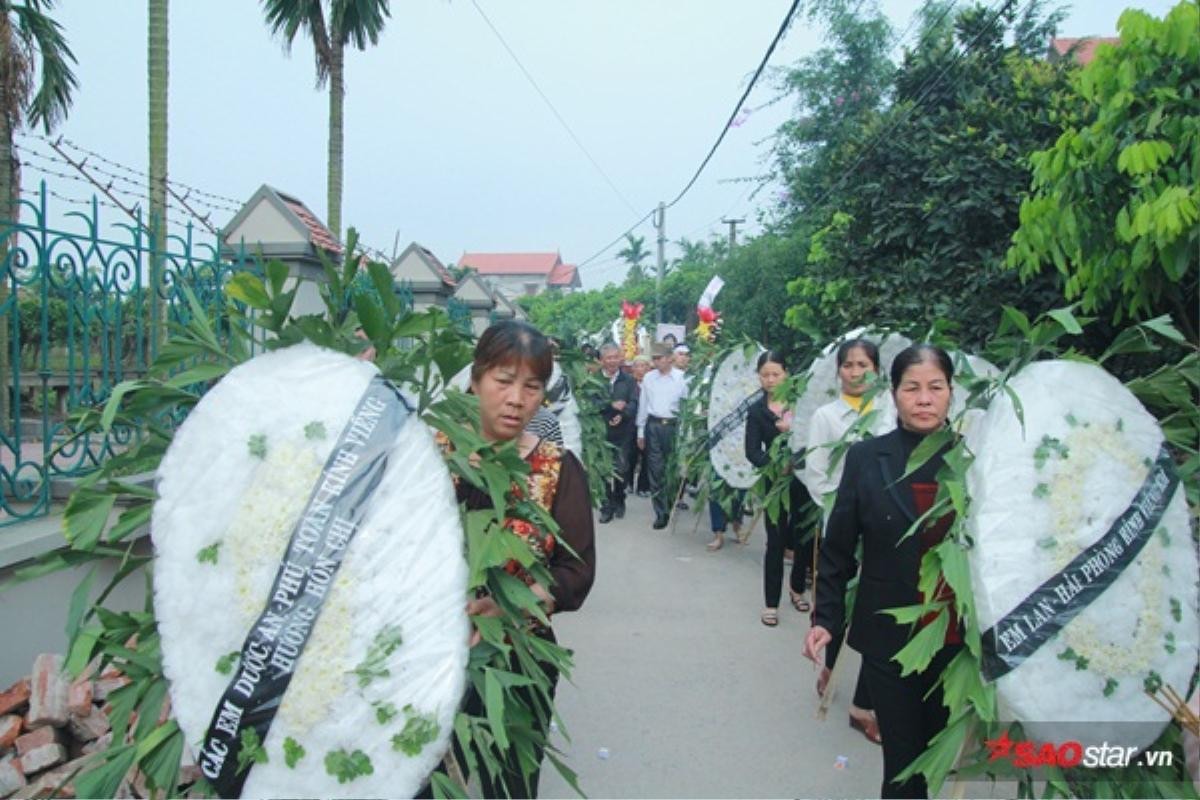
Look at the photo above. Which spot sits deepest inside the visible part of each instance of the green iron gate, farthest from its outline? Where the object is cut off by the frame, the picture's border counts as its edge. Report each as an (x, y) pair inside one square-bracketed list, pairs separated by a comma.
[(79, 314)]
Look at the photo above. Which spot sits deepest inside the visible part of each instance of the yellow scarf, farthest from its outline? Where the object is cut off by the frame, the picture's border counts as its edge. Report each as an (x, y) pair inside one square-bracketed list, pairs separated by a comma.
[(859, 403)]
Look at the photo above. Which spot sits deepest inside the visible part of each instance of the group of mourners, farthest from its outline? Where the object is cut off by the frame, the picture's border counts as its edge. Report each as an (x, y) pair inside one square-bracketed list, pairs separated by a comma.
[(871, 504), (874, 505)]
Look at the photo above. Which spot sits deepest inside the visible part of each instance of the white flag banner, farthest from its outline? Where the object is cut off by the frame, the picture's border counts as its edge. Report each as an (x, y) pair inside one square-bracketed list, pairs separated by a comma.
[(710, 292)]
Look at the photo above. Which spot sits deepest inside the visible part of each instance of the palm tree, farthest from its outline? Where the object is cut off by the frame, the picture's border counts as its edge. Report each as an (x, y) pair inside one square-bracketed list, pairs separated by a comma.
[(29, 39), (633, 254), (157, 72), (331, 24)]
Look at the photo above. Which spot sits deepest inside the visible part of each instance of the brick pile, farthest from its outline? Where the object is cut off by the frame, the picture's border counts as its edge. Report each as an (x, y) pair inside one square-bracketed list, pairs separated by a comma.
[(50, 725)]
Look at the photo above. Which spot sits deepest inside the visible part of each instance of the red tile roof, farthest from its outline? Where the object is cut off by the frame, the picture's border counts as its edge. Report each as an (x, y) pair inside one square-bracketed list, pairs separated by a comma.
[(318, 234), (1086, 50), (438, 267), (511, 263), (562, 275)]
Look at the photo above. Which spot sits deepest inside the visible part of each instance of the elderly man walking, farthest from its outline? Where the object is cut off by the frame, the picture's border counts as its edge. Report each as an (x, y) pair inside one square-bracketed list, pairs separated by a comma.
[(657, 422), (620, 415)]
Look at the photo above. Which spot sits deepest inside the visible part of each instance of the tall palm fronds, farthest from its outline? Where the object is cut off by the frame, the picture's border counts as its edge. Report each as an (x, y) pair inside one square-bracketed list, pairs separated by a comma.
[(331, 25), (29, 39)]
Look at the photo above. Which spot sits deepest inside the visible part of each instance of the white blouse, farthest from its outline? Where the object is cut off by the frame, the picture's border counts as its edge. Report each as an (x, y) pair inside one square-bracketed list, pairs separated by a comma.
[(828, 424)]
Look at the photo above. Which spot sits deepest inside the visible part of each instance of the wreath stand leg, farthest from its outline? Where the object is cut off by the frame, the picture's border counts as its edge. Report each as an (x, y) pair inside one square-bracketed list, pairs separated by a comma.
[(831, 686), (454, 770), (749, 529), (679, 496)]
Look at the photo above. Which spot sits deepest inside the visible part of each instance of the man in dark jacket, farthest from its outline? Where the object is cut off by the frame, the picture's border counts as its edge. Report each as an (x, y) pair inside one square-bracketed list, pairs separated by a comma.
[(620, 413)]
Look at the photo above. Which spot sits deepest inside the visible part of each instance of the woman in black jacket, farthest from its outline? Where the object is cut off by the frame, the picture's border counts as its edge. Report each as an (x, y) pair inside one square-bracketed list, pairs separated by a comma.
[(875, 506), (767, 419)]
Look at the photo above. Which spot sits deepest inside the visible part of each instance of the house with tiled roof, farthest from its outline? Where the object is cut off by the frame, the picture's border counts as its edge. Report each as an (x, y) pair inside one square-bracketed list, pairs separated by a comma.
[(1083, 50), (485, 304), (280, 226), (425, 275), (523, 274)]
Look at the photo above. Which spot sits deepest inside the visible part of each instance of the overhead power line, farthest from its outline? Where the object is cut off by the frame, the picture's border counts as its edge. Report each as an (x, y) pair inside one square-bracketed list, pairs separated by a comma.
[(720, 137), (787, 20), (553, 110)]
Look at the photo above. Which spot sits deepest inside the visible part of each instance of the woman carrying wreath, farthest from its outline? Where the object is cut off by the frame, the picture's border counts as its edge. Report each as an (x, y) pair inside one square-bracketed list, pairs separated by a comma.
[(858, 364), (875, 506), (513, 362), (766, 420)]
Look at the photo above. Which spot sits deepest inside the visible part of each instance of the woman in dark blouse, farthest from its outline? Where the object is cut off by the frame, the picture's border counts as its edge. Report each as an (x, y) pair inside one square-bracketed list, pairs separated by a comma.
[(875, 506), (767, 419), (513, 362)]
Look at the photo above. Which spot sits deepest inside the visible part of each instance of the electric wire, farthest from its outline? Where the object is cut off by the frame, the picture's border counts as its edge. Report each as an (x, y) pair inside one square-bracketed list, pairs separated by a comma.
[(712, 151), (787, 20), (553, 110)]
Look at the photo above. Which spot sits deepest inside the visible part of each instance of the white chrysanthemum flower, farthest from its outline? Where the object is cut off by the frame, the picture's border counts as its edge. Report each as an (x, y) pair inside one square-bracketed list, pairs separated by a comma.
[(1041, 494), (231, 488), (736, 380)]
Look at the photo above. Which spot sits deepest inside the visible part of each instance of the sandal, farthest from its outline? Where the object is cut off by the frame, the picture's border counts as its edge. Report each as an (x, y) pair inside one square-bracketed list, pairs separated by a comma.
[(770, 617), (800, 602), (742, 532), (868, 727), (717, 543)]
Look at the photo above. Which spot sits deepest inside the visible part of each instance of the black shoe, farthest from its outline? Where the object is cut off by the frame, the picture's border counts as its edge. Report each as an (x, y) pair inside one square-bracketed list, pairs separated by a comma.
[(606, 516), (682, 506), (660, 523), (620, 512)]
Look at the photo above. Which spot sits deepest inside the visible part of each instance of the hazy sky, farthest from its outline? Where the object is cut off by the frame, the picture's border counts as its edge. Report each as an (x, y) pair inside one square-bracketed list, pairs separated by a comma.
[(447, 142)]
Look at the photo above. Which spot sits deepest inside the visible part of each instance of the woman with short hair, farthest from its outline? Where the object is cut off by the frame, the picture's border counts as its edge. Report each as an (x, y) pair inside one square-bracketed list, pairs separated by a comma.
[(875, 506), (513, 361)]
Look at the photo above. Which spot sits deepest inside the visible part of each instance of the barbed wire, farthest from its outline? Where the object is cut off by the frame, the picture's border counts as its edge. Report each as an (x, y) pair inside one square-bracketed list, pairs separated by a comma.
[(134, 171), (87, 202), (143, 186)]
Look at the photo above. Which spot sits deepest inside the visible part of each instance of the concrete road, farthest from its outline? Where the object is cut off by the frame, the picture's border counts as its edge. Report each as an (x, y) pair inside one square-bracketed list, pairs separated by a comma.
[(680, 691)]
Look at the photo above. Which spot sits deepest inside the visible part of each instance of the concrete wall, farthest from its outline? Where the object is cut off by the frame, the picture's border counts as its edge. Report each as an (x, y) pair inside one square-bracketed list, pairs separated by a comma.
[(33, 615)]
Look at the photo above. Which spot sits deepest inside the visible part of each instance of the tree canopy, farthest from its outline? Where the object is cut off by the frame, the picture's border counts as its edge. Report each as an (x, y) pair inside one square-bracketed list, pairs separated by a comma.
[(1116, 197)]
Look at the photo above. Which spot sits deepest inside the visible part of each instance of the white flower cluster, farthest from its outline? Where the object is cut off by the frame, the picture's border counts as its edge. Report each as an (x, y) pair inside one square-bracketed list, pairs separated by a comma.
[(1046, 484), (231, 487), (735, 380), (1122, 649), (256, 542)]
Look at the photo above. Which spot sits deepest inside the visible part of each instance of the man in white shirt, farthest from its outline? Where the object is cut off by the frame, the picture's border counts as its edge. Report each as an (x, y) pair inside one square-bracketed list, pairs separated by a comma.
[(657, 420)]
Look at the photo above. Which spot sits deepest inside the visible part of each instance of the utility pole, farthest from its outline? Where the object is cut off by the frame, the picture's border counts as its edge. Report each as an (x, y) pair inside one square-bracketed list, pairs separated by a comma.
[(660, 222), (732, 223)]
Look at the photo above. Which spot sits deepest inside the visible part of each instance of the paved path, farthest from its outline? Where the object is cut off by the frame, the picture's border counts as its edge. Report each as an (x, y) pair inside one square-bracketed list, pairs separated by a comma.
[(679, 691)]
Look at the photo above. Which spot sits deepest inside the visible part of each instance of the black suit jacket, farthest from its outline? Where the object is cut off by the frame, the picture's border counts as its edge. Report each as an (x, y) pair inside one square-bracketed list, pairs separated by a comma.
[(623, 388), (873, 507)]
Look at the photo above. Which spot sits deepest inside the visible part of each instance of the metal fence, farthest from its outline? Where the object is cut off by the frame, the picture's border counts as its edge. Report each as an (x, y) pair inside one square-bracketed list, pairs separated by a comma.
[(78, 315)]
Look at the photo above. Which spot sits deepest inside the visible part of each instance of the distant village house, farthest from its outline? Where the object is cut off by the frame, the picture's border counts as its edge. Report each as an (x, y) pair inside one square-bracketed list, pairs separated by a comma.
[(523, 274)]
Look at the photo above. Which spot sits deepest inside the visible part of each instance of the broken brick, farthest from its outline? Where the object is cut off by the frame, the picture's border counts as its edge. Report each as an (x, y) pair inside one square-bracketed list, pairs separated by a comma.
[(88, 727), (48, 692), (43, 757), (10, 729), (58, 782), (37, 738), (11, 776), (79, 697), (15, 697), (101, 744), (106, 684)]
